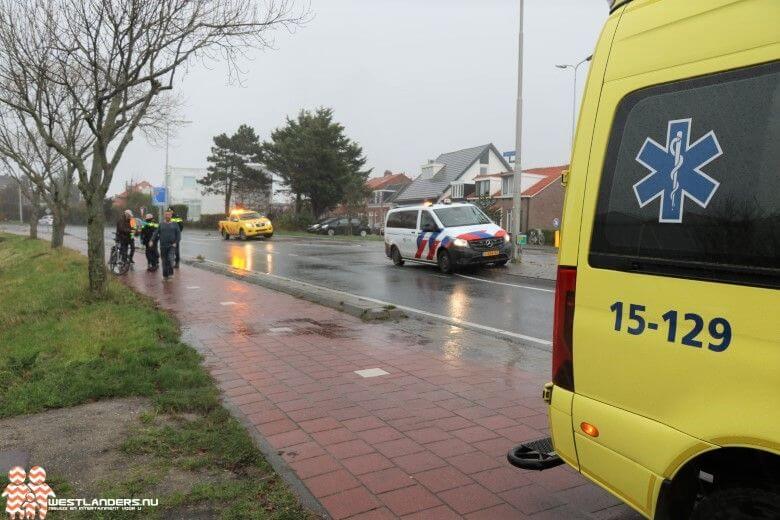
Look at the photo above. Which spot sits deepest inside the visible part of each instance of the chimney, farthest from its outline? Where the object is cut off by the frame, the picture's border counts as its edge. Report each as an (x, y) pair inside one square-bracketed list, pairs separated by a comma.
[(427, 171), (388, 173)]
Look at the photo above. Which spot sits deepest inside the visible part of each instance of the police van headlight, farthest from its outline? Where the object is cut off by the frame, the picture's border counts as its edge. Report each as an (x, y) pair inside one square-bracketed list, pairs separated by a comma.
[(459, 242)]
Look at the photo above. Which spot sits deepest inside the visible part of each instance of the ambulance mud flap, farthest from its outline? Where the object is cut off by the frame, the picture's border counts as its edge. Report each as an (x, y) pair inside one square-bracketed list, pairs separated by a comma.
[(538, 455)]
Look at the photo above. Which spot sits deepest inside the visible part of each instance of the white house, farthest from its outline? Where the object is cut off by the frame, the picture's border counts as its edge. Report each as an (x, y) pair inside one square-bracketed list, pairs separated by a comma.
[(453, 175), (184, 189)]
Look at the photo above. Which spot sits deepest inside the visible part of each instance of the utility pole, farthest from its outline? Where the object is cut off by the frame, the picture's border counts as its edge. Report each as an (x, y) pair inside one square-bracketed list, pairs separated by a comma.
[(517, 177), (21, 215)]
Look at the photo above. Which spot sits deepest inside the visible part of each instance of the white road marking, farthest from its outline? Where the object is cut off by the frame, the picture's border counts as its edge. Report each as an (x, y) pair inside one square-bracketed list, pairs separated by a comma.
[(504, 283), (227, 303), (371, 372), (193, 287), (446, 319), (292, 254)]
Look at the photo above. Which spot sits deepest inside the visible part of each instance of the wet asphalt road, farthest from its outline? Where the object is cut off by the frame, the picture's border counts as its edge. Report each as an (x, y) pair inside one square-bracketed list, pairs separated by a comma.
[(487, 296)]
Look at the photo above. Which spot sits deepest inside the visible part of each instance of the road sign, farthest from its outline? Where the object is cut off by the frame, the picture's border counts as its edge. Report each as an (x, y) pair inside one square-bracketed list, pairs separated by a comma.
[(522, 239), (160, 196), (509, 156), (556, 223)]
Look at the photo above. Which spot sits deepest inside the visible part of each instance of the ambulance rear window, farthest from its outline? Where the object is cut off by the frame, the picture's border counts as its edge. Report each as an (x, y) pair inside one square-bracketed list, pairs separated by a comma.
[(691, 181)]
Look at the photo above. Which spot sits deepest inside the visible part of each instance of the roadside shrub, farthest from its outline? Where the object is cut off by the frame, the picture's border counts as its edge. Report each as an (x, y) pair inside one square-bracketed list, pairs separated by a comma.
[(289, 221), (207, 221)]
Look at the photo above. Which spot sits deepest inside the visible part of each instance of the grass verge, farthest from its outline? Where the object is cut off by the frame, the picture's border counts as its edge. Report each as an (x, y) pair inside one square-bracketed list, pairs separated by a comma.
[(59, 349)]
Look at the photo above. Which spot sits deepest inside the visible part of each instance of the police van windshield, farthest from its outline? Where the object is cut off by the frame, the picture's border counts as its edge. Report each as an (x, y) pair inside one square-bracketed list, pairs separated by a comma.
[(249, 216), (461, 216)]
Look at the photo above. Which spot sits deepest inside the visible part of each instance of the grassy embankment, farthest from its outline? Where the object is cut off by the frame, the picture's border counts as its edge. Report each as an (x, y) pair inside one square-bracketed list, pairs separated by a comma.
[(58, 349)]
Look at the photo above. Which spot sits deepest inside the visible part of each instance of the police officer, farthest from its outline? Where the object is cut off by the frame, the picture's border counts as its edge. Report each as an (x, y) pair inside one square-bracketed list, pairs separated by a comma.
[(147, 233), (177, 220), (169, 234)]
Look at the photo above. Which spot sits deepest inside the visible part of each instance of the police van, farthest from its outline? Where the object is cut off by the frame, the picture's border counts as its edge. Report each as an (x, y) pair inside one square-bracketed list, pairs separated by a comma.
[(666, 344), (448, 235)]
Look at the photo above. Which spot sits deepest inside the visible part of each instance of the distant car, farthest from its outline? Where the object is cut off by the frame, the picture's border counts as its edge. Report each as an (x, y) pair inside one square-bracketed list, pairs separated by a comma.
[(342, 226), (46, 220), (315, 228), (245, 224)]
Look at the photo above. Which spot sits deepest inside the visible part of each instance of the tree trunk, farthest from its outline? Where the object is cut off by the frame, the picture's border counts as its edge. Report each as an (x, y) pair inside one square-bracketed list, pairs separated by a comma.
[(60, 215), (228, 195), (96, 248), (298, 204), (35, 200)]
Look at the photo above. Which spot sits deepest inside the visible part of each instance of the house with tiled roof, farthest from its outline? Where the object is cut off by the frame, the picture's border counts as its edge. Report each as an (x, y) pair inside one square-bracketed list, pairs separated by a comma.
[(452, 175), (383, 191), (542, 195)]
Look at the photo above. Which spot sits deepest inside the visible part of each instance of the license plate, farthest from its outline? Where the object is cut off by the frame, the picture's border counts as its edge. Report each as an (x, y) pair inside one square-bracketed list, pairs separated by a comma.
[(490, 253)]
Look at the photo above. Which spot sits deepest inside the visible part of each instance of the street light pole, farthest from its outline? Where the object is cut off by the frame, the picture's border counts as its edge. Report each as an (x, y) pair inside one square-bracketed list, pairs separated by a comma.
[(21, 215), (517, 177), (575, 68)]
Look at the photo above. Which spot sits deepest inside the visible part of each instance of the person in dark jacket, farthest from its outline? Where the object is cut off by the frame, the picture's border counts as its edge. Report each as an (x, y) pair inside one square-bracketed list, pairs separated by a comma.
[(169, 234), (177, 220), (124, 232), (147, 232)]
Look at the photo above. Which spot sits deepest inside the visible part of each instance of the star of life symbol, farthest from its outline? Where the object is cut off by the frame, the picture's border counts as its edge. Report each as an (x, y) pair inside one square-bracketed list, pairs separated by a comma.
[(675, 171)]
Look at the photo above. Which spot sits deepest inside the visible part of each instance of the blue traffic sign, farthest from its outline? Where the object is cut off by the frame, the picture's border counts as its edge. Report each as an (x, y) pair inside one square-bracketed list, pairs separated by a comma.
[(160, 196)]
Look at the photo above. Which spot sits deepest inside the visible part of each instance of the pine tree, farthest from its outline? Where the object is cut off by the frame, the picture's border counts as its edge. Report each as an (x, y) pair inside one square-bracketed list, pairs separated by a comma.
[(315, 160), (230, 172)]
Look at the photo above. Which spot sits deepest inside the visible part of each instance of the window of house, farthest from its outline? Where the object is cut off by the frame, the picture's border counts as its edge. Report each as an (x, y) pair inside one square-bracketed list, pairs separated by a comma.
[(690, 180), (483, 188), (506, 185), (483, 170), (457, 191), (485, 157), (188, 183)]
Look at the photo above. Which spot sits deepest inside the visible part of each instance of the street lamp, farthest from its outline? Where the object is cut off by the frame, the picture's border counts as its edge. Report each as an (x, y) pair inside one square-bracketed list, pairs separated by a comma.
[(166, 176), (574, 92), (517, 177)]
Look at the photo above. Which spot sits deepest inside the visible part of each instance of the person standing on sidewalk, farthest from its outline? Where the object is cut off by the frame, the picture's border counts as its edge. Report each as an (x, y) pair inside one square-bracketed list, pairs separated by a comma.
[(169, 234), (177, 220), (147, 233), (124, 232)]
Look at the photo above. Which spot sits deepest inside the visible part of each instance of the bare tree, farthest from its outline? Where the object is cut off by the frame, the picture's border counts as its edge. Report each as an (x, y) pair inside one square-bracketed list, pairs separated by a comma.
[(44, 167), (114, 58), (29, 192)]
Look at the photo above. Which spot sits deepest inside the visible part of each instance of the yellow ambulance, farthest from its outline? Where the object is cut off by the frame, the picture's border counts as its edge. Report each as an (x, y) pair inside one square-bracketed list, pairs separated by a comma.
[(666, 350)]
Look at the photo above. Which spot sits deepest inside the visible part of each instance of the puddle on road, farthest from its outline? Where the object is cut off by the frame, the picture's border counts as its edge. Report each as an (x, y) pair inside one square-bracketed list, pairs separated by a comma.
[(308, 326)]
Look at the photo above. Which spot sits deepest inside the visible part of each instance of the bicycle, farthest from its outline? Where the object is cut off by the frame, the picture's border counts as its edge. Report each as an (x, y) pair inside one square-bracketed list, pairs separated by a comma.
[(118, 263)]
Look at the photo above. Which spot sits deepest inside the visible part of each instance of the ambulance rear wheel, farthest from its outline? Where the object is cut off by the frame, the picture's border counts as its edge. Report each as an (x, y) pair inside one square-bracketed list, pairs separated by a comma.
[(395, 254), (739, 503)]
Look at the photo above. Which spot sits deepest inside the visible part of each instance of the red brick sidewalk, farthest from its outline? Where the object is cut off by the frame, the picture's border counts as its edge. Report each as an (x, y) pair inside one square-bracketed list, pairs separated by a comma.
[(428, 440)]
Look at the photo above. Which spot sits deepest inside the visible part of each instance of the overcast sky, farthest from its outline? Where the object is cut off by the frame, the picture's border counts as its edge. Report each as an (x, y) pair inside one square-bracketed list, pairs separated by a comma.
[(409, 79)]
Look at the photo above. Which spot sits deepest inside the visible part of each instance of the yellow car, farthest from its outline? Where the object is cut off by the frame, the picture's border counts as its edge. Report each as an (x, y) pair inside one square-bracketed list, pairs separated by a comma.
[(666, 341), (245, 224)]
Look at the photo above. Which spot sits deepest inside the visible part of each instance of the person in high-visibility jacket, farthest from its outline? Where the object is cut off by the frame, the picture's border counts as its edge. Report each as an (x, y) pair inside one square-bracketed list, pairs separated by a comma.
[(147, 238), (177, 220)]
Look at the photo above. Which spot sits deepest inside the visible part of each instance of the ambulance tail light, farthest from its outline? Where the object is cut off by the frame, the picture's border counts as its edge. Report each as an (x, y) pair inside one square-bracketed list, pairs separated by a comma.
[(563, 327)]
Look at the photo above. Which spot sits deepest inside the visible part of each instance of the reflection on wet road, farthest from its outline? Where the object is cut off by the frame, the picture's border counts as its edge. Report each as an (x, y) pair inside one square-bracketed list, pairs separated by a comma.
[(486, 297)]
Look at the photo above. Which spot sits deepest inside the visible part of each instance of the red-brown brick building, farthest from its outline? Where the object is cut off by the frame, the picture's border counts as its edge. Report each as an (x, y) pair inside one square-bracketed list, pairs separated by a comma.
[(383, 189), (542, 198)]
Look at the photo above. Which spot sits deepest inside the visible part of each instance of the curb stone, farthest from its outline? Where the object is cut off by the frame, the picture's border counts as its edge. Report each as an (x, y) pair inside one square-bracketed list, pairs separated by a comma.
[(364, 309)]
